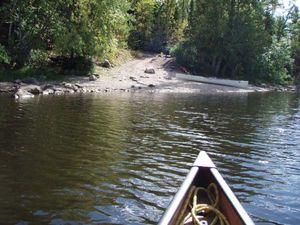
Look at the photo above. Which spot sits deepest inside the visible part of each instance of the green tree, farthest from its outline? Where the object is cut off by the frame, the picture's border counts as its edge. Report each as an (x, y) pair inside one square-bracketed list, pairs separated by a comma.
[(4, 58), (67, 27), (234, 38), (141, 34), (295, 42), (91, 27), (156, 24), (28, 26)]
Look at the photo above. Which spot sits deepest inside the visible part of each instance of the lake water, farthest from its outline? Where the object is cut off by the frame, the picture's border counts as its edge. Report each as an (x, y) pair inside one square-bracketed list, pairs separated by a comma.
[(119, 158)]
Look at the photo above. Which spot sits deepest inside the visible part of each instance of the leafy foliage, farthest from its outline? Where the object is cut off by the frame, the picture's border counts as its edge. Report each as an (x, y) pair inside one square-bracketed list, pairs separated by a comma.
[(225, 38), (156, 24), (90, 27), (295, 42), (78, 66), (4, 58), (66, 27), (276, 62)]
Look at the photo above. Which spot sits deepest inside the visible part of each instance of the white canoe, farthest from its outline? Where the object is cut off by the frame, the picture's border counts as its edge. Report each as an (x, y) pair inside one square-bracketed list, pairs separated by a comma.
[(225, 82)]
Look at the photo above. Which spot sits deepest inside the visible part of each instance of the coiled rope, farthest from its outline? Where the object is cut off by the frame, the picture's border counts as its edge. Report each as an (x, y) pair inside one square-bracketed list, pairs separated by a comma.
[(203, 209)]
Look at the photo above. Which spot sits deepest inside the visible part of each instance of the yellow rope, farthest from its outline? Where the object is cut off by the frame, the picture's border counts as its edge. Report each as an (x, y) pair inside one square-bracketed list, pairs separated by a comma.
[(184, 206), (205, 209)]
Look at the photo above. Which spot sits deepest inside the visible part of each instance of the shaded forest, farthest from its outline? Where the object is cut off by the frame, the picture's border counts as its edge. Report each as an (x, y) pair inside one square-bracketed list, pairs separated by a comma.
[(238, 39)]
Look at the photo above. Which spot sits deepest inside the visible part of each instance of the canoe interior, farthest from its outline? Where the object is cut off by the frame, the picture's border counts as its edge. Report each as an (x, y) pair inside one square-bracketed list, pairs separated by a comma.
[(203, 178)]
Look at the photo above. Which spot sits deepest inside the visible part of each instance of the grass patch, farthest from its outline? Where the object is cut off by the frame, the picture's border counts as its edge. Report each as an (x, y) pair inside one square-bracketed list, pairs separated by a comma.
[(42, 74), (56, 72)]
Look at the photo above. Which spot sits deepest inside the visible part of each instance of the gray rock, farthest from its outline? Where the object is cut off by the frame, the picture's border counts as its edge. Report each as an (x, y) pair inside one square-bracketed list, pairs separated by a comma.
[(48, 92), (106, 63), (83, 90), (7, 87), (59, 91), (75, 88), (70, 86), (18, 81), (29, 80), (21, 93), (78, 85), (33, 89), (150, 70), (93, 78), (71, 91), (47, 86), (133, 79)]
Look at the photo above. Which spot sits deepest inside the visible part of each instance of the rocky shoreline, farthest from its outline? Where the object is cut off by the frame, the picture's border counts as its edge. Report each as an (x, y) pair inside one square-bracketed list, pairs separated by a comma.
[(25, 90), (148, 73)]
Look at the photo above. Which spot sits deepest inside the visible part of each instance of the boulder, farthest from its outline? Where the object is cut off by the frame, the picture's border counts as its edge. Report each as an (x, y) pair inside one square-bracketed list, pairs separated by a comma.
[(70, 91), (83, 90), (48, 86), (93, 78), (150, 70), (33, 89), (48, 92), (21, 93), (29, 80), (78, 85), (70, 86), (59, 90), (7, 87), (106, 63)]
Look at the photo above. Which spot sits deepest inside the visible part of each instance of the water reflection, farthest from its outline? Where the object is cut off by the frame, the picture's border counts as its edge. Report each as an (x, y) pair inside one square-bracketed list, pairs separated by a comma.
[(119, 159)]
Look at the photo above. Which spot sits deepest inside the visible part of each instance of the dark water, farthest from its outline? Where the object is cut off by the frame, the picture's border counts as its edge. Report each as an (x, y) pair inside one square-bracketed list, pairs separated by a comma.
[(119, 159)]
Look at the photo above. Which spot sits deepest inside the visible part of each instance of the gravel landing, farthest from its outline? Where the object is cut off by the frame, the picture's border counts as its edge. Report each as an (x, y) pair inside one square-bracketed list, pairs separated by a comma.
[(148, 73)]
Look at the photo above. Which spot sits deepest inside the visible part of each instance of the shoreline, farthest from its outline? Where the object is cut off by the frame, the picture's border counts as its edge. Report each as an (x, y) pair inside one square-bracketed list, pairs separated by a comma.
[(147, 73)]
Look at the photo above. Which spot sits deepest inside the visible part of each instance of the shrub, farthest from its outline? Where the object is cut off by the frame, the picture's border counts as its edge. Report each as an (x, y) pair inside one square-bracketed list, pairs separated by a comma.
[(38, 58), (276, 62), (4, 58), (186, 54), (78, 66)]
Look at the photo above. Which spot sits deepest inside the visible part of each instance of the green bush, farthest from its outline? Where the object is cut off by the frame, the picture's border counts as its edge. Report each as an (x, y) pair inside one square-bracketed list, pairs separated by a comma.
[(186, 55), (38, 58), (276, 62), (78, 66), (4, 58)]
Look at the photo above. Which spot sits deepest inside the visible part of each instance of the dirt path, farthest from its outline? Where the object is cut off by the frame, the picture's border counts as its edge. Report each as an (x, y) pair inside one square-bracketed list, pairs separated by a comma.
[(131, 76)]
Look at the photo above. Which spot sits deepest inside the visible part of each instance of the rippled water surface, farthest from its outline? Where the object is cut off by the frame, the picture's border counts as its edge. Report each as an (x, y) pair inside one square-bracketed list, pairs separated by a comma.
[(119, 159)]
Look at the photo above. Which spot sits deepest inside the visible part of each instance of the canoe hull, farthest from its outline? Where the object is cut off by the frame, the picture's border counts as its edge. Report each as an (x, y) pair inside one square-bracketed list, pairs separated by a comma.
[(202, 174), (210, 80)]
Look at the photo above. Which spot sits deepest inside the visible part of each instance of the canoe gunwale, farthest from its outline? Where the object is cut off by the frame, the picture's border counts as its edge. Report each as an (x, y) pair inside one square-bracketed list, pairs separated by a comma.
[(232, 199), (174, 207)]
